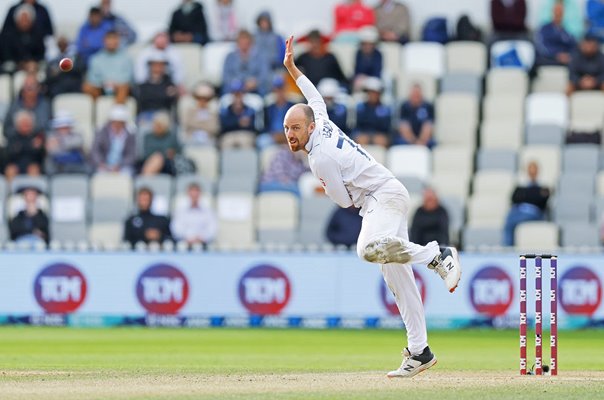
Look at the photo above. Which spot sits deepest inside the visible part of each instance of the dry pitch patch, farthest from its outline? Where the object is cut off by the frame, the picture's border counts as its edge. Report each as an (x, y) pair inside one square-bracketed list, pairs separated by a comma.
[(459, 385)]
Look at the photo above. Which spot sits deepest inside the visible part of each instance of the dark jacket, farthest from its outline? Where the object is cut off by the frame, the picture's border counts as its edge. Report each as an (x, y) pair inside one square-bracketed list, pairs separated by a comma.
[(338, 114), (373, 118), (194, 22), (552, 40), (580, 65), (21, 150), (42, 21), (23, 225), (316, 69), (137, 224), (18, 46), (370, 65), (532, 194), (153, 96), (344, 226), (430, 225), (229, 119), (508, 19)]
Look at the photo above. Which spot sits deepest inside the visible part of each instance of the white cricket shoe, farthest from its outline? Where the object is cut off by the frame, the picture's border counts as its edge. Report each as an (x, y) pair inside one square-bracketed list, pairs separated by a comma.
[(447, 265), (413, 364), (386, 250)]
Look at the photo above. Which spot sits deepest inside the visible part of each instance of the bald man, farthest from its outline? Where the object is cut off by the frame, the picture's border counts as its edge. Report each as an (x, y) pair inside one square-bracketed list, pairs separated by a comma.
[(350, 177)]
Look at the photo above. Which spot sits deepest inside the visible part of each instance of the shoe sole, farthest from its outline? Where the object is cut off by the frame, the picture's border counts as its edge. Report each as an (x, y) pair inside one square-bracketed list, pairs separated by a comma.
[(456, 259), (385, 255), (419, 370)]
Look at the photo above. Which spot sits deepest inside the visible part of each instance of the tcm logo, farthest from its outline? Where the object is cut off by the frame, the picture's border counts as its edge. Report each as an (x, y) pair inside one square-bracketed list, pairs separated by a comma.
[(264, 290), (162, 289), (580, 291), (388, 298), (60, 289), (491, 291)]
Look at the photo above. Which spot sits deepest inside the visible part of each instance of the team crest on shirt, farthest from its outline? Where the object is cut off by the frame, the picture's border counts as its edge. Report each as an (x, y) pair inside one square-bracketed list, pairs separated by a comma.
[(327, 130)]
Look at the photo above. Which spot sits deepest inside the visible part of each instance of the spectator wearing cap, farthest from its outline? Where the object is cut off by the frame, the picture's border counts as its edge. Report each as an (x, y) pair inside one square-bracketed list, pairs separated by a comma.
[(368, 60), (110, 71), (274, 114), (374, 119), (64, 147), (226, 23), (237, 121), (25, 148), (193, 221), (158, 92), (57, 82), (91, 35), (145, 226), (200, 123), (317, 63), (553, 44), (586, 68), (160, 146), (417, 117), (160, 44), (23, 43), (30, 98), (30, 225), (344, 226), (392, 21), (270, 45), (42, 19), (337, 111), (248, 65), (114, 147), (118, 23), (188, 24), (352, 15)]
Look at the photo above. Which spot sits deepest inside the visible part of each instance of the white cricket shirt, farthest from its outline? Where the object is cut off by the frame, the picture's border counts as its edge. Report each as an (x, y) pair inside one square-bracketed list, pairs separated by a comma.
[(346, 170)]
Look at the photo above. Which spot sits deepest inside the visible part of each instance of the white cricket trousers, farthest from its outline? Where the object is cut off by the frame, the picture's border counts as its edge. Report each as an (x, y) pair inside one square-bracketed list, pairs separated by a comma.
[(385, 214)]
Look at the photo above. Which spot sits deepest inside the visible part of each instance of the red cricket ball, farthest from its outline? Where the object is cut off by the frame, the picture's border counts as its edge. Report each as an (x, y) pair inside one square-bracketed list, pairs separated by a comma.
[(66, 64)]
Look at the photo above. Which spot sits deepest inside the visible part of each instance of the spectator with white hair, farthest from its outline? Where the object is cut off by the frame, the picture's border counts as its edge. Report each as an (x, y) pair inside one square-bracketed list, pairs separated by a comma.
[(30, 98), (23, 44), (114, 146), (201, 123), (25, 149), (160, 146), (160, 44), (42, 17), (64, 146)]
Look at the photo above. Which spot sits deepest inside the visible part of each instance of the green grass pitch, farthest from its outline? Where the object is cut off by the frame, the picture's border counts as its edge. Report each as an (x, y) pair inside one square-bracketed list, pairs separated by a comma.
[(61, 363)]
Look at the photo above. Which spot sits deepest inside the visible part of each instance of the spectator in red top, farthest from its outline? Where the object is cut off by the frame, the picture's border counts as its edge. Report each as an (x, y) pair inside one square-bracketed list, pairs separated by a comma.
[(352, 15)]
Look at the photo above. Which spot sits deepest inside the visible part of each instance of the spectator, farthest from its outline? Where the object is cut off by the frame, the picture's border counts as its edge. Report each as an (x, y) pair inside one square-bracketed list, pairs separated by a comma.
[(283, 172), (392, 21), (368, 61), (25, 148), (430, 222), (194, 222), (553, 44), (352, 15), (114, 148), (338, 113), (508, 19), (237, 121), (270, 45), (42, 18), (374, 119), (160, 147), (92, 34), (23, 44), (30, 225), (188, 24), (31, 99), (317, 63), (344, 226), (572, 21), (58, 82), (528, 203), (110, 71), (245, 64), (161, 44), (417, 117), (227, 24), (144, 226), (200, 123), (118, 24), (274, 115), (64, 147), (586, 68), (158, 92), (595, 18)]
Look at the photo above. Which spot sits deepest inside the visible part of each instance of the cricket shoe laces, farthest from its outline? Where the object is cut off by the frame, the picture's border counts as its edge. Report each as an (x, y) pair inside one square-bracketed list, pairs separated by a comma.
[(413, 364)]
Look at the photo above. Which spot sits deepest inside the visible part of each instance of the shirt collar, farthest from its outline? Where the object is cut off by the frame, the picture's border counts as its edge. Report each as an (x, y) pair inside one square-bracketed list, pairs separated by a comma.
[(311, 139)]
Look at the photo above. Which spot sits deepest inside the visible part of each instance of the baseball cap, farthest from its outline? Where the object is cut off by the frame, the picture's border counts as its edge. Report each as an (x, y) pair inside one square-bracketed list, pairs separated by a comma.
[(119, 113)]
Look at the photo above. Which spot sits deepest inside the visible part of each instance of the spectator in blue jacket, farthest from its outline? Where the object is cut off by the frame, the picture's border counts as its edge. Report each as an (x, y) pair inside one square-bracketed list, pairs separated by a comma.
[(92, 34), (374, 119), (344, 226), (338, 113), (237, 121), (368, 61), (248, 65), (417, 117), (274, 115), (553, 43)]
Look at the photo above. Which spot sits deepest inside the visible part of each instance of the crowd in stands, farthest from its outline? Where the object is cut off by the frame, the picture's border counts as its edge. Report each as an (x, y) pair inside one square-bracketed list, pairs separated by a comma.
[(44, 140)]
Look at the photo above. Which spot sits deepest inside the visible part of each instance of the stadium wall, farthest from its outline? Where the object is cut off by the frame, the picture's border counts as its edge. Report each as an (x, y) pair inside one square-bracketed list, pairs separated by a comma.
[(313, 290)]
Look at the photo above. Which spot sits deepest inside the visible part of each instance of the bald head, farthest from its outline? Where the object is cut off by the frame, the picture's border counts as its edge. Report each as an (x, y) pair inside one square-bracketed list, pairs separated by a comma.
[(303, 109), (298, 124)]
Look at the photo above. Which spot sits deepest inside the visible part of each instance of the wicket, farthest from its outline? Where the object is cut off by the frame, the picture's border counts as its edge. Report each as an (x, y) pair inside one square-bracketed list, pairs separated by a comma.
[(553, 297)]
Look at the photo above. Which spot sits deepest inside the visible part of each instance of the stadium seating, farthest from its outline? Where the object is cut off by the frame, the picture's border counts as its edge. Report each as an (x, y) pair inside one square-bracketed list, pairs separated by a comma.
[(424, 57), (236, 216), (409, 160), (81, 107), (69, 199), (466, 57), (550, 79), (537, 236)]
